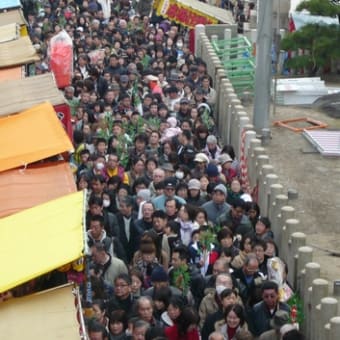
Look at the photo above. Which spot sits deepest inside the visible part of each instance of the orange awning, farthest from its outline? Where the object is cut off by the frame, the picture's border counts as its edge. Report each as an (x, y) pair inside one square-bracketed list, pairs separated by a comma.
[(11, 73), (22, 189), (30, 136)]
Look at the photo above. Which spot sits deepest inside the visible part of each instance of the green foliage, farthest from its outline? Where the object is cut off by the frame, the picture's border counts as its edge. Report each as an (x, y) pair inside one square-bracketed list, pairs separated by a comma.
[(319, 7), (207, 238), (181, 279), (296, 307), (320, 44)]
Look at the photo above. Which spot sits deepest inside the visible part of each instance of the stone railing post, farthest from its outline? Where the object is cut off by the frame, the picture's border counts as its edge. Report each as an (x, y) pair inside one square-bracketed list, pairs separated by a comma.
[(329, 309), (280, 201), (298, 241), (291, 225), (334, 328)]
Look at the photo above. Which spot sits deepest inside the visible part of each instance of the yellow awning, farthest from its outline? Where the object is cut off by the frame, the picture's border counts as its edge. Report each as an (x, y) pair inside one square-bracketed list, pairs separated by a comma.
[(30, 136), (42, 183), (40, 239), (47, 315)]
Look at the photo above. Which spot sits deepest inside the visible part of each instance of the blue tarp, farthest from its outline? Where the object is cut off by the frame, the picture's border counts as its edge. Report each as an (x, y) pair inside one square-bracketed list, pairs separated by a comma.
[(9, 4), (303, 18)]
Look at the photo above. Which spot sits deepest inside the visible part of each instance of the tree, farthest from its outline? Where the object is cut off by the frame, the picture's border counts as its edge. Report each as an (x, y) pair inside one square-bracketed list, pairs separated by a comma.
[(320, 42)]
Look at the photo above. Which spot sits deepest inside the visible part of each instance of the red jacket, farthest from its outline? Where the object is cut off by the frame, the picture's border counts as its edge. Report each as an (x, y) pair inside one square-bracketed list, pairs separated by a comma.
[(172, 334)]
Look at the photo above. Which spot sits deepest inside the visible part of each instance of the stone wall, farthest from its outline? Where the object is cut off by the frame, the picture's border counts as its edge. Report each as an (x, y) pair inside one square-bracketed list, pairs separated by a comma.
[(322, 318)]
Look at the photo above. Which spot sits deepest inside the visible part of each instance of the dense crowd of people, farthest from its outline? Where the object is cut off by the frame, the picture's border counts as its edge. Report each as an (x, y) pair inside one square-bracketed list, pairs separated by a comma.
[(177, 247)]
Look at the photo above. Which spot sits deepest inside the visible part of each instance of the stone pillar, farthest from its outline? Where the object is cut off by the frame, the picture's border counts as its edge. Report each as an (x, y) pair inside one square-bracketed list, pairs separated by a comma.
[(298, 240), (275, 190), (291, 225), (286, 213), (280, 201), (334, 331), (254, 144), (309, 274), (319, 291), (329, 309), (198, 48)]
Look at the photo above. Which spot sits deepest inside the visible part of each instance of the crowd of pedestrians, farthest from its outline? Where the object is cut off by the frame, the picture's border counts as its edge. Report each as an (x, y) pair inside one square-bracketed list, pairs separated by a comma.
[(178, 250)]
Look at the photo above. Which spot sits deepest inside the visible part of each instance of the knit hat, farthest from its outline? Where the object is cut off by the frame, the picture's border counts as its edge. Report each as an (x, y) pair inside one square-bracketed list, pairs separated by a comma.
[(279, 319), (212, 170), (224, 158), (194, 184), (159, 275), (222, 188)]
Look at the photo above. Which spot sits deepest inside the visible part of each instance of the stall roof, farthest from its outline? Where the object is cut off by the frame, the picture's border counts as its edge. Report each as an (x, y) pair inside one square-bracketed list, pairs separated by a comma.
[(33, 90), (5, 4), (222, 15), (40, 239), (9, 32), (41, 183), (12, 16), (31, 136), (12, 73), (50, 314), (17, 52)]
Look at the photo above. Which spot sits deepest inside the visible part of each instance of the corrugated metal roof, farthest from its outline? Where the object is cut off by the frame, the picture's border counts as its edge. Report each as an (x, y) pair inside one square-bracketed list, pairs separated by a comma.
[(327, 142), (11, 16), (19, 95), (17, 52), (9, 32)]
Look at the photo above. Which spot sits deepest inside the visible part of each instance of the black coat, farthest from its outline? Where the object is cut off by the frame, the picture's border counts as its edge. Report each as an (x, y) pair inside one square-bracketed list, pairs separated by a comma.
[(131, 245)]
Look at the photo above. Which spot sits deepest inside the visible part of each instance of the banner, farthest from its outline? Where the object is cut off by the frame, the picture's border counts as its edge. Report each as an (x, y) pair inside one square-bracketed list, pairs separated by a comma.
[(183, 14)]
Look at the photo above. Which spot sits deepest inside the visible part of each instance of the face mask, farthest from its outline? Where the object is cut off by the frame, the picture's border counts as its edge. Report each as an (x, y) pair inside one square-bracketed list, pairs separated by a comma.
[(179, 45), (179, 174), (106, 203), (219, 168), (100, 166), (220, 289)]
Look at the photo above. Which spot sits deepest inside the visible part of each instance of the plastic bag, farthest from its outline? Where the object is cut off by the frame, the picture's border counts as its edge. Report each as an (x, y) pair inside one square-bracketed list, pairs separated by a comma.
[(61, 58)]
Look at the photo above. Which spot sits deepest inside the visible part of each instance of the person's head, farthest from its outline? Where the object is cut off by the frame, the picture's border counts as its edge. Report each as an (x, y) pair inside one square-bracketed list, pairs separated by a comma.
[(122, 285), (175, 307), (244, 334), (247, 243), (145, 308), (172, 227), (98, 252), (237, 208), (171, 206), (158, 175), (270, 294), (139, 329), (187, 212), (169, 186), (225, 237), (96, 226), (161, 298), (234, 316), (98, 307), (96, 205), (159, 219), (259, 250), (159, 278), (219, 194), (228, 297), (201, 217), (223, 281), (189, 318), (96, 331), (148, 252), (136, 280), (252, 210), (112, 161), (293, 334), (251, 265), (216, 336), (180, 256), (126, 205), (271, 248), (220, 267), (97, 184), (117, 322), (262, 225), (147, 210)]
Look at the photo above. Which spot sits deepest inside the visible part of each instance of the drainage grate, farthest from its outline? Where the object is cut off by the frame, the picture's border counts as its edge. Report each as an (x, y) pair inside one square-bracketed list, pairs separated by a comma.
[(326, 142)]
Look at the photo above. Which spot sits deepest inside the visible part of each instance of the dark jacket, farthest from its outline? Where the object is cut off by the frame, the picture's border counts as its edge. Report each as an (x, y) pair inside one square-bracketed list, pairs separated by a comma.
[(260, 316), (131, 245), (241, 227)]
